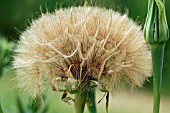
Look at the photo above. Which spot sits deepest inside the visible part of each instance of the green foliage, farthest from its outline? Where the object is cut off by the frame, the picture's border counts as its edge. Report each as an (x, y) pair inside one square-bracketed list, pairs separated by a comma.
[(5, 54)]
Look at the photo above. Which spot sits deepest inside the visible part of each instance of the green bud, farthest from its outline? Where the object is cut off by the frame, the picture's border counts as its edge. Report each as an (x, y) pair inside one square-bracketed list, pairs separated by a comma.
[(156, 27)]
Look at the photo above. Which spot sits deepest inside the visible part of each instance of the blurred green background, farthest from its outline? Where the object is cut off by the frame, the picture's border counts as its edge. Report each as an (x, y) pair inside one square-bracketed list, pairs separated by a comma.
[(15, 16)]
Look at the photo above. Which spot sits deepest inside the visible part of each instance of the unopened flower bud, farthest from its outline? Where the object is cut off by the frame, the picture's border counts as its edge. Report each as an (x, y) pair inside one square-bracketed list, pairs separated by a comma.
[(156, 27)]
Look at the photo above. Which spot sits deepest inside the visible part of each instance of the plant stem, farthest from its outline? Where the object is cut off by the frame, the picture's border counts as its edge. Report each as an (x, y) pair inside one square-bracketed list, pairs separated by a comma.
[(80, 100), (157, 51), (92, 96)]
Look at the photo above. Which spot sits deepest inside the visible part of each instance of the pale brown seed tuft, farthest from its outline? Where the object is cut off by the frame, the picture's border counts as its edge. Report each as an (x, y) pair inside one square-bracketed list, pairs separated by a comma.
[(84, 43)]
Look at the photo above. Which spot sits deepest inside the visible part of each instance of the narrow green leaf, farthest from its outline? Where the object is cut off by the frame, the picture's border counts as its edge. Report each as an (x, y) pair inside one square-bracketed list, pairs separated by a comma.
[(20, 105), (45, 110), (1, 108), (107, 102)]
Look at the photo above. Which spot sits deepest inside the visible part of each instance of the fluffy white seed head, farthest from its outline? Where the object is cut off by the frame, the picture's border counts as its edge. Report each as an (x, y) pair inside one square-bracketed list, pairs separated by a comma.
[(83, 43)]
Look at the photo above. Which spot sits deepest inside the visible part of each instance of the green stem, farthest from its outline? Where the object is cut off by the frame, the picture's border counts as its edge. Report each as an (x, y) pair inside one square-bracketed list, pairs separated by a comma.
[(80, 100), (92, 96), (157, 51)]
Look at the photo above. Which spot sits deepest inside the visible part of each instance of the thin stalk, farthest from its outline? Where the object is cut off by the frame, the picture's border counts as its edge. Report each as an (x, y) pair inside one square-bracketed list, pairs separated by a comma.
[(80, 100), (156, 33), (157, 51), (92, 97)]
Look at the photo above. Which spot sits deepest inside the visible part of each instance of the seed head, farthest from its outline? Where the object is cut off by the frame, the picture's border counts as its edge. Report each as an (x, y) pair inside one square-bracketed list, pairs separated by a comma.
[(82, 43)]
